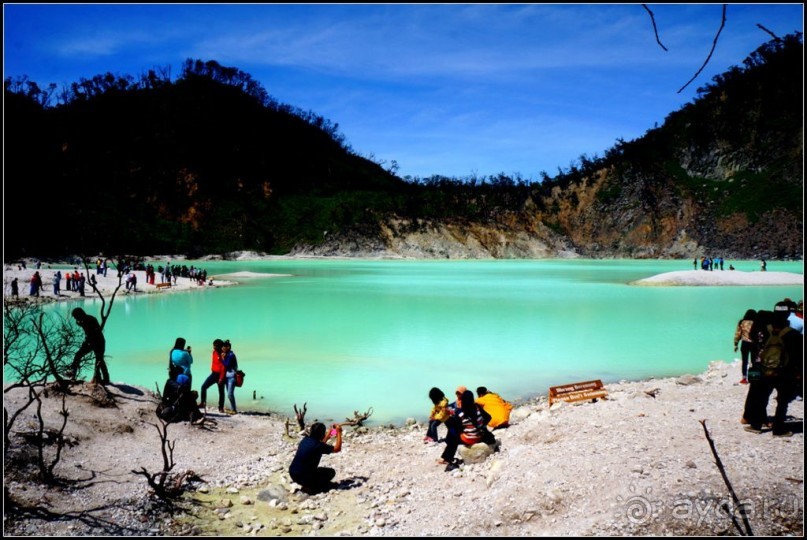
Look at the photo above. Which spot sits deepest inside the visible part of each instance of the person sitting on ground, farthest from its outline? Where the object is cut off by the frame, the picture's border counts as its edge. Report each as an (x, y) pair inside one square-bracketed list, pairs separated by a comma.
[(467, 426), (495, 406), (438, 414), (305, 469), (178, 402), (456, 405)]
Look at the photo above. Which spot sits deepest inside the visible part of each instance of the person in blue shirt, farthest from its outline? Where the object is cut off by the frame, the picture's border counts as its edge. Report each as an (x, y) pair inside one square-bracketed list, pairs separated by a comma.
[(305, 469), (181, 359)]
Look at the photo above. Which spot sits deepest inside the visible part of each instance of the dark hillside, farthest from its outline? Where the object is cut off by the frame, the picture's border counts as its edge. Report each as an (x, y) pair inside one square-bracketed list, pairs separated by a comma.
[(210, 163)]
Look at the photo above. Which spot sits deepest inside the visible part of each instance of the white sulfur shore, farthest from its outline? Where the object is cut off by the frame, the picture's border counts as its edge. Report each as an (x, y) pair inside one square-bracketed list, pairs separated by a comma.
[(724, 277), (108, 284)]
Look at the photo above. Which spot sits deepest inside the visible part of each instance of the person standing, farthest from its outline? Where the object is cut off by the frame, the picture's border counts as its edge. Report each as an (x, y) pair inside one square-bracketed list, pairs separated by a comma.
[(15, 288), (742, 337), (57, 278), (181, 360), (36, 284), (305, 469), (93, 341), (216, 374), (230, 363), (786, 380)]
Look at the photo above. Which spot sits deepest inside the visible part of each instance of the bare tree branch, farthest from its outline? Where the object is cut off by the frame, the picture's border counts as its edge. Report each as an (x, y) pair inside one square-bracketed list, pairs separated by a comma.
[(774, 36), (722, 470), (653, 20), (714, 45)]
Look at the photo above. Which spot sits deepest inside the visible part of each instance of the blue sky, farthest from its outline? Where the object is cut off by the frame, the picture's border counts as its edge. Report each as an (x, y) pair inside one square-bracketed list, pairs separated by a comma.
[(458, 90)]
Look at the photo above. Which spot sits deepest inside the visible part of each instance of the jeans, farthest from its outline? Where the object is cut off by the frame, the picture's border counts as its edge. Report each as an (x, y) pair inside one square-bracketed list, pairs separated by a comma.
[(756, 402), (432, 430), (229, 382), (746, 351), (212, 379)]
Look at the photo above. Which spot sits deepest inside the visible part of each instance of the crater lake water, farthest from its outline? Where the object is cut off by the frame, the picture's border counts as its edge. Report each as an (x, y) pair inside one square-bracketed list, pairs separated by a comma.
[(350, 335)]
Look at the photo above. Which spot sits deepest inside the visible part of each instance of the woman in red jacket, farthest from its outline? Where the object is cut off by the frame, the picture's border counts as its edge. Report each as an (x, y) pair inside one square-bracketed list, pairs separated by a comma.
[(216, 375)]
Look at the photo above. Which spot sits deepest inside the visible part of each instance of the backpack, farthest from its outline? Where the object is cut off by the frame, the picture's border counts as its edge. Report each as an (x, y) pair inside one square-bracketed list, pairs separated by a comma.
[(773, 357)]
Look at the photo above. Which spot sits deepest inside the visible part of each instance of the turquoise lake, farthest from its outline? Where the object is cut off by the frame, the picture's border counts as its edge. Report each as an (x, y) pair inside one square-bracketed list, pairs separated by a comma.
[(350, 335)]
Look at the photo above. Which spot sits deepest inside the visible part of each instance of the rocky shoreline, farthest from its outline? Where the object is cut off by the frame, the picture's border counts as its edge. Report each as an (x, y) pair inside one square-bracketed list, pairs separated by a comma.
[(637, 463)]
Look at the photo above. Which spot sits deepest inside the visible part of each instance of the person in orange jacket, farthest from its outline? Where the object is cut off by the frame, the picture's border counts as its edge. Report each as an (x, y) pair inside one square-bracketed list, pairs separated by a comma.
[(495, 406)]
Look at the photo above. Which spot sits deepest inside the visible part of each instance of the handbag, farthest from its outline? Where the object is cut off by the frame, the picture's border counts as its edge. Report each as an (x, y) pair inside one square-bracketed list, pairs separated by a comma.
[(239, 378), (755, 372)]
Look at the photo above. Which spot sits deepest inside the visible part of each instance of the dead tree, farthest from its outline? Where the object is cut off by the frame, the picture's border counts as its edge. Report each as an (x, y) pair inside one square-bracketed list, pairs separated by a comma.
[(166, 486), (358, 419), (722, 469), (301, 415), (46, 468)]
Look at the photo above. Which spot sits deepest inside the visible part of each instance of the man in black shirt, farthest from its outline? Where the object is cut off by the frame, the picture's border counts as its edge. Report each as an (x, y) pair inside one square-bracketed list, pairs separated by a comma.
[(93, 341)]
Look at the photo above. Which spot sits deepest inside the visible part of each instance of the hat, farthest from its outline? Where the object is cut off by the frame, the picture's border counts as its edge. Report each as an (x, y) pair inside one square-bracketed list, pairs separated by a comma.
[(785, 305)]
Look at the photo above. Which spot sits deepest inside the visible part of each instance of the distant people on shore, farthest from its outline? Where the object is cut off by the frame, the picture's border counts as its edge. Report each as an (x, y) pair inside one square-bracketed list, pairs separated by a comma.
[(15, 288), (36, 284), (763, 266), (57, 278)]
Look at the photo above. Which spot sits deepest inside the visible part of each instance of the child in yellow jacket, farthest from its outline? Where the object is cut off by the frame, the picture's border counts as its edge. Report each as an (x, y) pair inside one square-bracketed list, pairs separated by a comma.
[(438, 415)]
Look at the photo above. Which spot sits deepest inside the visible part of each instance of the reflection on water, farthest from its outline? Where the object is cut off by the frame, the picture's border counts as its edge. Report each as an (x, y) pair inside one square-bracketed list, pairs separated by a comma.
[(348, 335)]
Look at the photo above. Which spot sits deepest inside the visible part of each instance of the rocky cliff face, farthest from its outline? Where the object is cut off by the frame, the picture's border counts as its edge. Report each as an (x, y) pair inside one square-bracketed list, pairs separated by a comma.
[(515, 238)]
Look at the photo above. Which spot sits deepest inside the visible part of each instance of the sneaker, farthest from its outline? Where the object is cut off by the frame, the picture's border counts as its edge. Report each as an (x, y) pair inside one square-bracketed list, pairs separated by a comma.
[(752, 429), (783, 434), (428, 439), (221, 409), (744, 381)]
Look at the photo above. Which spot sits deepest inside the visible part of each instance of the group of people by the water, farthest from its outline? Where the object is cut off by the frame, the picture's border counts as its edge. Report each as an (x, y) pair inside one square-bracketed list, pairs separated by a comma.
[(78, 281), (710, 263), (468, 420), (224, 375), (771, 344)]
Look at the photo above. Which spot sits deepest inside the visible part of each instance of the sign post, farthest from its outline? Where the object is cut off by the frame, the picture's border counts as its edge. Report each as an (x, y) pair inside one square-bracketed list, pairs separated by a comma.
[(581, 391)]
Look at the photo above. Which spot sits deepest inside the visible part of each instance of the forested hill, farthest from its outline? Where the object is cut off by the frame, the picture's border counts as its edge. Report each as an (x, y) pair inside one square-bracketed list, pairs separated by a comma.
[(208, 162)]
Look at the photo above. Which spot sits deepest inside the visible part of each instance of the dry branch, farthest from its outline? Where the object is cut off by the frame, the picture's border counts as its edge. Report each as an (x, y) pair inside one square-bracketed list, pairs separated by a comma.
[(358, 419), (301, 415), (734, 497)]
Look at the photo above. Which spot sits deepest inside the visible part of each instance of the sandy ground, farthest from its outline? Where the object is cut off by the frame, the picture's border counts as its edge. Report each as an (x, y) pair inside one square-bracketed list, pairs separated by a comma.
[(636, 463)]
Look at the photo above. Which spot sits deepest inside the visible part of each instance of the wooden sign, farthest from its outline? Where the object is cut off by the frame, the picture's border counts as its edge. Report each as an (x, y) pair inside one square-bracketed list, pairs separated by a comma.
[(581, 391)]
